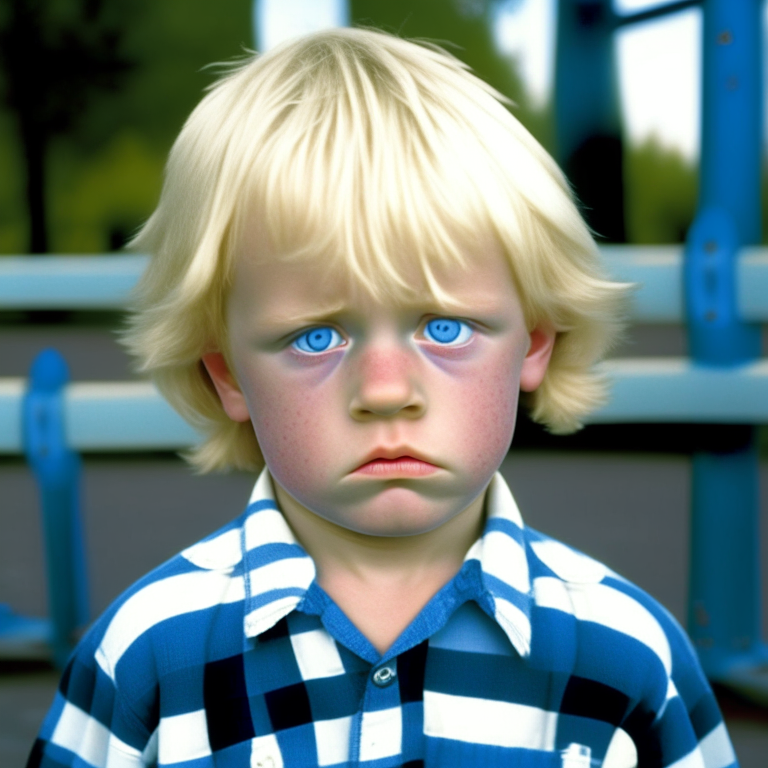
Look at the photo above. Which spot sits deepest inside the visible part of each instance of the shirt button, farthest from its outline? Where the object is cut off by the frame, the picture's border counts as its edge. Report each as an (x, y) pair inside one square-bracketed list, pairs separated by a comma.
[(384, 676)]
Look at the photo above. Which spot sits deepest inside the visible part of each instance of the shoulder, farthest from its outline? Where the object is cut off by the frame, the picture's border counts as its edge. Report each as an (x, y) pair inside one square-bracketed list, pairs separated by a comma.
[(626, 659), (602, 603), (157, 635), (181, 595)]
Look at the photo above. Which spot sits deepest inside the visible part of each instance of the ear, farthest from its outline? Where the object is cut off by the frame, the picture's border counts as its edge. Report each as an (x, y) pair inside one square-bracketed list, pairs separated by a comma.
[(231, 397), (536, 361)]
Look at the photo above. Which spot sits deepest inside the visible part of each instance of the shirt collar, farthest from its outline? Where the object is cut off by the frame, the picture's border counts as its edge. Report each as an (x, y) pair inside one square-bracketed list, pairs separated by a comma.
[(277, 572), (501, 555)]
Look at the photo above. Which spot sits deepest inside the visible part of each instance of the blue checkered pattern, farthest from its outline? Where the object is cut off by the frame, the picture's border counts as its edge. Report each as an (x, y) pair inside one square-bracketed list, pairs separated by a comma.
[(231, 655)]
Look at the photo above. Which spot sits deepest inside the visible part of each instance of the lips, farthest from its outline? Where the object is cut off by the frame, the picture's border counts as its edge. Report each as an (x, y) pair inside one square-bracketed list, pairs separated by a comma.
[(400, 462)]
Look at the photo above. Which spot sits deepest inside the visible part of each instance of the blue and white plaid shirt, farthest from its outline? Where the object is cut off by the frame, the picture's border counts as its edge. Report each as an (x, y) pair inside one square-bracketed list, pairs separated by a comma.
[(231, 655)]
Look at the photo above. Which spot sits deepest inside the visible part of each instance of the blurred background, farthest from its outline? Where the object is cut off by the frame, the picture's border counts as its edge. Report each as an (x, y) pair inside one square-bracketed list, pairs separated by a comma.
[(92, 95), (94, 92)]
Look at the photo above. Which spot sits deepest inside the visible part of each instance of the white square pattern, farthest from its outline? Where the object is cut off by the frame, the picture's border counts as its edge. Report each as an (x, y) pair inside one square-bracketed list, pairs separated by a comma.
[(332, 739), (381, 734), (81, 734), (265, 752), (484, 721), (316, 654), (183, 737)]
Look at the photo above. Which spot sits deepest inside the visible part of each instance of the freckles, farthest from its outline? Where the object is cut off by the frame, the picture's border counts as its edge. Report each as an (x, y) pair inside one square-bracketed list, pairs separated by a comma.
[(490, 409), (291, 425)]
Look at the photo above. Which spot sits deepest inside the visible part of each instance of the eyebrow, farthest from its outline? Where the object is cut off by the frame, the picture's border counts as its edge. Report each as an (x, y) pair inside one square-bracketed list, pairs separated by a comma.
[(312, 316), (334, 310)]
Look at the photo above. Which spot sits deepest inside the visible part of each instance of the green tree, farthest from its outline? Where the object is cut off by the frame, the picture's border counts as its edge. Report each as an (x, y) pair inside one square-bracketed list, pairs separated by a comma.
[(660, 193), (56, 55), (106, 180), (104, 177)]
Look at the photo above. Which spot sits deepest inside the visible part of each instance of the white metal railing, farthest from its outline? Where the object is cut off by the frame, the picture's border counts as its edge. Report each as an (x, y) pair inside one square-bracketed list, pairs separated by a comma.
[(130, 416), (104, 281)]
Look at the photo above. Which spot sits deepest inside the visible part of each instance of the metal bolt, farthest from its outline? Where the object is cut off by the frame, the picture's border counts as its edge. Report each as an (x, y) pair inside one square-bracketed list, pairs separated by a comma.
[(701, 614), (710, 316), (710, 246), (725, 37), (732, 83)]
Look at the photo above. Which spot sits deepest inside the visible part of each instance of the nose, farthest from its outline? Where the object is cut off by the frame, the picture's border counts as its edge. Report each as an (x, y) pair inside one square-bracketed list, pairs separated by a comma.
[(386, 386)]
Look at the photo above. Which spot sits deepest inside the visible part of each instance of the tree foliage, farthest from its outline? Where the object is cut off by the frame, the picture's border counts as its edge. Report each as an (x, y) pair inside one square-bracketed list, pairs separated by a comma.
[(661, 190), (56, 55), (112, 83)]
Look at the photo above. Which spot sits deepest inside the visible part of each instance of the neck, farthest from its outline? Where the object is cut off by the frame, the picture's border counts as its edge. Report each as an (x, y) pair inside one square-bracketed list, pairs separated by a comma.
[(335, 548), (383, 582)]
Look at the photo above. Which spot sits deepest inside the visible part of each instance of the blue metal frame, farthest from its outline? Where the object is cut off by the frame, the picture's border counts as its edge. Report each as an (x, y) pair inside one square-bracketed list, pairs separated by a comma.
[(586, 97), (57, 471), (587, 93), (724, 599), (724, 596), (100, 281), (106, 281)]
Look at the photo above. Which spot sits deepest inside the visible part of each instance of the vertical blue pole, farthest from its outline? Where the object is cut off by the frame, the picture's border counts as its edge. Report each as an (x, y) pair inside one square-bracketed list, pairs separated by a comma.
[(57, 470), (724, 599), (586, 86), (587, 114)]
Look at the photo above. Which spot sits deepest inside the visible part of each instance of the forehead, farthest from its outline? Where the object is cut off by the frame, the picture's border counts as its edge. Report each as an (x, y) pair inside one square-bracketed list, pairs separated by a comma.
[(276, 286)]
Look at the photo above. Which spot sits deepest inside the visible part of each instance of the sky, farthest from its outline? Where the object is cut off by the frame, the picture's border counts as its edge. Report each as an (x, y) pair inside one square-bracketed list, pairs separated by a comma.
[(659, 61)]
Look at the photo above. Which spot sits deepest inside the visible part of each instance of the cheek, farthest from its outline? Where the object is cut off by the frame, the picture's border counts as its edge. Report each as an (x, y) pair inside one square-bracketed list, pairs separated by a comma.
[(291, 422), (487, 412)]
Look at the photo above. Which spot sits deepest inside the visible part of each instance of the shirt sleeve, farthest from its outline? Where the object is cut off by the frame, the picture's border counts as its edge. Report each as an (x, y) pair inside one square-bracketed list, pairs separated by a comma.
[(94, 721), (91, 723), (683, 726)]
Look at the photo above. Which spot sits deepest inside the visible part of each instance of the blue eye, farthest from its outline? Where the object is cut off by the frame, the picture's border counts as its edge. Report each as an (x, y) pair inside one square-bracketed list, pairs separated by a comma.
[(446, 330), (319, 339)]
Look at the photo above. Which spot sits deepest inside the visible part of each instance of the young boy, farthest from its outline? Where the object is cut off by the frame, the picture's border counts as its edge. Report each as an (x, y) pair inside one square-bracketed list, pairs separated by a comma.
[(360, 259)]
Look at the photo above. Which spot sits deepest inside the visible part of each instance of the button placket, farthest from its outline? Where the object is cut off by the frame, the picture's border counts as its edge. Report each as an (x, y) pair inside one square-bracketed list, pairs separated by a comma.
[(378, 731)]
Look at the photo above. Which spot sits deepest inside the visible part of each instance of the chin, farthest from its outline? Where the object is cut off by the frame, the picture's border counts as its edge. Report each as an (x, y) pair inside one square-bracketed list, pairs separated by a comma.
[(399, 519), (394, 529)]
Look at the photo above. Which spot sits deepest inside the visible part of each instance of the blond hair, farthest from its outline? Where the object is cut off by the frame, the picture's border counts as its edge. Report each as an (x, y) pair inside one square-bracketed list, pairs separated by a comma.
[(370, 151)]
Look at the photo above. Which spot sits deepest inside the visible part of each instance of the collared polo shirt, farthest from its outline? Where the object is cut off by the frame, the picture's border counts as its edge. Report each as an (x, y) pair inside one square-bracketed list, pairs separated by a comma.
[(232, 655)]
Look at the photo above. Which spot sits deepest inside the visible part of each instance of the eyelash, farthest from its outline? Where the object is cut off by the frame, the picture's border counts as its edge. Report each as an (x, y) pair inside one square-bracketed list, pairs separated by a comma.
[(432, 331)]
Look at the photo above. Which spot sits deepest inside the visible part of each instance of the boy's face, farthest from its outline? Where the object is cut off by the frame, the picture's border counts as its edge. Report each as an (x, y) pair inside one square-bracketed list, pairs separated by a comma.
[(386, 419)]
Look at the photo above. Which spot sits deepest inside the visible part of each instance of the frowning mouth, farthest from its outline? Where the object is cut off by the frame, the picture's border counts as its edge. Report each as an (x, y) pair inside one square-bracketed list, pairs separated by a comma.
[(403, 465)]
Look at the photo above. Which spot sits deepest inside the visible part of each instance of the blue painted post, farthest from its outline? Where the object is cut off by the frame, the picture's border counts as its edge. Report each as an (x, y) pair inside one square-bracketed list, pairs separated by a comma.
[(724, 598), (57, 470), (587, 114)]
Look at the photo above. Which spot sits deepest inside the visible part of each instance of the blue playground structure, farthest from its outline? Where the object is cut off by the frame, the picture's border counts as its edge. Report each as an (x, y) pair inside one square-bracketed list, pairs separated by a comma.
[(717, 285), (724, 587)]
